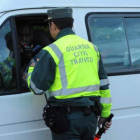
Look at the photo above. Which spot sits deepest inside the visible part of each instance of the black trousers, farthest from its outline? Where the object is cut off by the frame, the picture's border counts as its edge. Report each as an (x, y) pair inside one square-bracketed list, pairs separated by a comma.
[(82, 127)]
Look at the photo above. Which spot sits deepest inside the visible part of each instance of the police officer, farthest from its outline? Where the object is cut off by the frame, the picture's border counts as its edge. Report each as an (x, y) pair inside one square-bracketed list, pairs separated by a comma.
[(72, 71)]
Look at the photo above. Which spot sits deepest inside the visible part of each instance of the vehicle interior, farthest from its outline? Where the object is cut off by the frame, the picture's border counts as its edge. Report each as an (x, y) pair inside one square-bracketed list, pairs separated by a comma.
[(41, 37), (8, 62)]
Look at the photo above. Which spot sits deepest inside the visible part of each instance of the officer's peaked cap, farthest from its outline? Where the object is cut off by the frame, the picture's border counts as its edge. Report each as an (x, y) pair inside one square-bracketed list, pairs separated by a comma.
[(56, 13)]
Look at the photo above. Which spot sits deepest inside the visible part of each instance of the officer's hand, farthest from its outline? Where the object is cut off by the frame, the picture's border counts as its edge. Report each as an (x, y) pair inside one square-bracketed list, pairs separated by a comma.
[(32, 65), (102, 122)]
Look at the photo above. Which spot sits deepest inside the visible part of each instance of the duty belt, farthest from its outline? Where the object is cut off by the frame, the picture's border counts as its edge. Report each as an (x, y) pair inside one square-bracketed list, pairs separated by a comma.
[(85, 109)]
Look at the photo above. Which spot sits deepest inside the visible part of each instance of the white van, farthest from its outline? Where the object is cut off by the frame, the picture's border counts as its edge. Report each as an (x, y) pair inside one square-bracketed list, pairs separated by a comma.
[(113, 26)]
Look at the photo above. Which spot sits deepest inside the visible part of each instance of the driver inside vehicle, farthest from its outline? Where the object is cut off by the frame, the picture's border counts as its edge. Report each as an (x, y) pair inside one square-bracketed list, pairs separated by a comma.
[(28, 54)]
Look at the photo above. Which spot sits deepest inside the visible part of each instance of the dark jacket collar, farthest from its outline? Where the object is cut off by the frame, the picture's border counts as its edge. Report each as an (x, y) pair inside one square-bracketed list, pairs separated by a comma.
[(64, 32)]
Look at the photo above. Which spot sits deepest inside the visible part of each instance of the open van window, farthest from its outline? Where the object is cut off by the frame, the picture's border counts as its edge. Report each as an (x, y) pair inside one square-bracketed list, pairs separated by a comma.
[(32, 34)]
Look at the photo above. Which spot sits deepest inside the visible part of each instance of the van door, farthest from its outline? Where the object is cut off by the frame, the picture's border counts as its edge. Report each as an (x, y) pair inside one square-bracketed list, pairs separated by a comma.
[(20, 111)]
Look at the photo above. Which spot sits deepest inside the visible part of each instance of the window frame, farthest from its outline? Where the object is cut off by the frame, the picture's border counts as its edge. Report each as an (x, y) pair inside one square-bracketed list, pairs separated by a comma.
[(120, 15), (15, 50), (12, 21)]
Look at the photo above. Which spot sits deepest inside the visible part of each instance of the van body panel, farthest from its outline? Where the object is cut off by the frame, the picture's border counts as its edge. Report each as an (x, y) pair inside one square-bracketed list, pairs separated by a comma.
[(21, 117), (28, 130), (34, 4), (1, 14), (21, 12), (21, 108), (62, 3), (108, 3)]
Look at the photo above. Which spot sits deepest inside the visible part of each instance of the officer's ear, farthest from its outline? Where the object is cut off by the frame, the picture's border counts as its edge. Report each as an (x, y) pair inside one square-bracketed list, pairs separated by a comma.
[(52, 26)]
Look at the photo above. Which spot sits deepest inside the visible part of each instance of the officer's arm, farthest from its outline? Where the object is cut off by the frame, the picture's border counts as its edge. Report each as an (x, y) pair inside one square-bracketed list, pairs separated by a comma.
[(41, 76), (104, 91)]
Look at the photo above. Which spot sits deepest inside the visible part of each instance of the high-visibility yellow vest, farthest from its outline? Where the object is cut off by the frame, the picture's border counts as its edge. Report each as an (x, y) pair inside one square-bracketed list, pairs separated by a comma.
[(77, 63)]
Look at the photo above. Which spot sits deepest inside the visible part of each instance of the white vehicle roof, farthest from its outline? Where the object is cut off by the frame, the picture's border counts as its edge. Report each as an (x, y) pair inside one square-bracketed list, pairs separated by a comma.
[(1, 14), (10, 5)]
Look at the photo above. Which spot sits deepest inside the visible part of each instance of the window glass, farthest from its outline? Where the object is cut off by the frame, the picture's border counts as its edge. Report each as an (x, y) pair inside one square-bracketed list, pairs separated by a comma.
[(108, 34), (133, 34), (7, 61)]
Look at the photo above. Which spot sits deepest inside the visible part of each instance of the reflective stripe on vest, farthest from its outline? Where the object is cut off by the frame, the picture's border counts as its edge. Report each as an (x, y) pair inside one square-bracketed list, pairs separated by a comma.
[(29, 74), (35, 89), (97, 51), (61, 65), (63, 76), (105, 100), (95, 48), (75, 90), (104, 82)]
